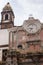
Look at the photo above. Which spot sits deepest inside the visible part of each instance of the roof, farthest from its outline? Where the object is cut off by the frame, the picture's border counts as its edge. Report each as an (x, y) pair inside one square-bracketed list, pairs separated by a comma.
[(7, 7)]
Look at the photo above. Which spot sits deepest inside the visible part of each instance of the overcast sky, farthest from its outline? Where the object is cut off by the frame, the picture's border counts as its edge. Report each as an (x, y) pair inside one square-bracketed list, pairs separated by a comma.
[(23, 8)]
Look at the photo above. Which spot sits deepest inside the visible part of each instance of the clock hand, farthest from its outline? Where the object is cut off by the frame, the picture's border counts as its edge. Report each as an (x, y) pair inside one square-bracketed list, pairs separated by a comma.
[(31, 28)]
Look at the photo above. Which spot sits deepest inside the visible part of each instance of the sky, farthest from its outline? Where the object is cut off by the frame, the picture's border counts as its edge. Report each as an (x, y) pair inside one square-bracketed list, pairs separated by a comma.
[(23, 8)]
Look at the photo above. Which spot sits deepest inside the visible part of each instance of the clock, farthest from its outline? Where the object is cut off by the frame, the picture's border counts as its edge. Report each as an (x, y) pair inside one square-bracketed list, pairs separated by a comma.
[(32, 28)]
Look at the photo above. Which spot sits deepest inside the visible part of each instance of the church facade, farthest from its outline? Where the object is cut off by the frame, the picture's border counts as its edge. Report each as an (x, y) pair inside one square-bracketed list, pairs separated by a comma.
[(26, 41)]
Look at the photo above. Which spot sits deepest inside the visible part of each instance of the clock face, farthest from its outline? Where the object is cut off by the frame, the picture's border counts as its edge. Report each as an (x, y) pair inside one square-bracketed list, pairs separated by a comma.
[(32, 28)]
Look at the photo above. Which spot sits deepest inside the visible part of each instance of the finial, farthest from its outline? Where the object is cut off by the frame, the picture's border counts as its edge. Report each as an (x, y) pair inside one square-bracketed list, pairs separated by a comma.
[(31, 16), (8, 3)]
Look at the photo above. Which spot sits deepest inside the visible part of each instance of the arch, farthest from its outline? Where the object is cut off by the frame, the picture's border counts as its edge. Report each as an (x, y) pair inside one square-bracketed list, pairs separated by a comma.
[(6, 17), (20, 46)]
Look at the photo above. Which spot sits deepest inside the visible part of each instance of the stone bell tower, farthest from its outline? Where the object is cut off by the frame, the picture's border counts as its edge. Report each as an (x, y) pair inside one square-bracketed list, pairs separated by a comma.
[(7, 20)]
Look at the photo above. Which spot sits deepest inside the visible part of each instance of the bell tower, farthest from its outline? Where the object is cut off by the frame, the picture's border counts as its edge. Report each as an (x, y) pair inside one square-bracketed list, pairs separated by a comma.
[(7, 20)]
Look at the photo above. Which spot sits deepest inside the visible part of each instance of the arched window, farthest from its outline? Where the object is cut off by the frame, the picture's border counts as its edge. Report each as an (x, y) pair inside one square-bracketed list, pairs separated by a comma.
[(6, 17), (20, 46)]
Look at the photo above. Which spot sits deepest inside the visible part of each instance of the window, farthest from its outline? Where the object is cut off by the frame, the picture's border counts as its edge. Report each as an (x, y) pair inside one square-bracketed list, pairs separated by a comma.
[(20, 46), (6, 17), (4, 54)]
